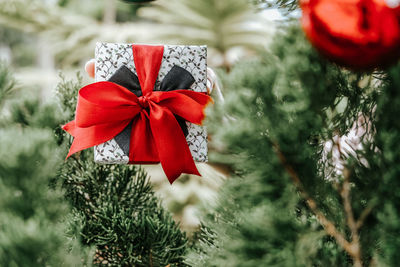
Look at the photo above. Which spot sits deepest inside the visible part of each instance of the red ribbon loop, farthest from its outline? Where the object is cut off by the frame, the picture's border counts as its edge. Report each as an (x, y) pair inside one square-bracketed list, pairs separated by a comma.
[(104, 109)]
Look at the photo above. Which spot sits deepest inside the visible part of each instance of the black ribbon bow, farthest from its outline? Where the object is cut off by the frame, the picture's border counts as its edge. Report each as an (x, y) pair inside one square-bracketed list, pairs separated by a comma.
[(176, 78)]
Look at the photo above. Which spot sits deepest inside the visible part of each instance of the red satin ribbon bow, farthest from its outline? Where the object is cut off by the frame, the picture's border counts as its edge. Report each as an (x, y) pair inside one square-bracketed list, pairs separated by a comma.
[(104, 109)]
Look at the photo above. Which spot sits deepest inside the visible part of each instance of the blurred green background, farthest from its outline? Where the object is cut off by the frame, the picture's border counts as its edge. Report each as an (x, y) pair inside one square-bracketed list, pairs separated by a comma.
[(39, 39)]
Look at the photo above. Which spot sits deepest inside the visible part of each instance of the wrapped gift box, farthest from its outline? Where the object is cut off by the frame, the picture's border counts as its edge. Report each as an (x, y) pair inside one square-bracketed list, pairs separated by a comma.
[(110, 57)]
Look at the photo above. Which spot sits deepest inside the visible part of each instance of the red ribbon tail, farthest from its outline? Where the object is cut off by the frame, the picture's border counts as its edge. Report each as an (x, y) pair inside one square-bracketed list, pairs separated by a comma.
[(173, 150), (70, 127), (142, 146)]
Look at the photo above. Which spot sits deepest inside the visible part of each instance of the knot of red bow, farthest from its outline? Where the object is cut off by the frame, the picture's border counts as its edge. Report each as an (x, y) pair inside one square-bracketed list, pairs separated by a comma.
[(143, 101), (104, 109)]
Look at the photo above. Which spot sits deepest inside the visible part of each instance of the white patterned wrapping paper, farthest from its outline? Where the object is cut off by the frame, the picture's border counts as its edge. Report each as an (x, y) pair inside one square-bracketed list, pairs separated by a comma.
[(109, 57)]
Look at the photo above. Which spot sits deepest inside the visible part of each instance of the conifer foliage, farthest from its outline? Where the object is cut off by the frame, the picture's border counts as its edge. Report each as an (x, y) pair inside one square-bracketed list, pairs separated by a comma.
[(33, 216), (116, 206), (293, 201)]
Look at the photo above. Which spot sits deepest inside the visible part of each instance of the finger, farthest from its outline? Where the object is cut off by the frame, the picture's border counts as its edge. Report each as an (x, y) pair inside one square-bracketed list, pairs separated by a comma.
[(211, 79), (89, 68), (214, 85)]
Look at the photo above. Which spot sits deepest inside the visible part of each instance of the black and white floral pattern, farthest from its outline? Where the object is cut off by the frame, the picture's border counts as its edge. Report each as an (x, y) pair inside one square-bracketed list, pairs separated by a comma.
[(110, 56)]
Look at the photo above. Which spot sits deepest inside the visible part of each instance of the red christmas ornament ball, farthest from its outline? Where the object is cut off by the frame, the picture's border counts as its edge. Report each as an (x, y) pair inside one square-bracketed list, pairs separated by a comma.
[(361, 34)]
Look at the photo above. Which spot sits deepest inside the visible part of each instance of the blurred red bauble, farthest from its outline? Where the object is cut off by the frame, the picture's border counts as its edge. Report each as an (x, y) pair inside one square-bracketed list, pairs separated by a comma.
[(361, 34)]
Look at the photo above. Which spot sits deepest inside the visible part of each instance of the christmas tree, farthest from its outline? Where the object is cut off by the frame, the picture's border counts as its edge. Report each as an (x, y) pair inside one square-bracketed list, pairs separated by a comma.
[(34, 218), (314, 150)]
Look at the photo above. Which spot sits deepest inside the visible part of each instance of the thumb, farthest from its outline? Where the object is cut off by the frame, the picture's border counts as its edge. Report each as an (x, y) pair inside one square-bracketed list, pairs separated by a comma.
[(89, 68)]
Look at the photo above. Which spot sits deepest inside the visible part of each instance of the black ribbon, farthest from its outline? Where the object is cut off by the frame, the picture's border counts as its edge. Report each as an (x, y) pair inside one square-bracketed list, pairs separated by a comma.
[(176, 78)]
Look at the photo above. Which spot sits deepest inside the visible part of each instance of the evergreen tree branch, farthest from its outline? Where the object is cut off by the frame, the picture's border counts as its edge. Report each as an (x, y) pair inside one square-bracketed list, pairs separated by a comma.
[(150, 259), (7, 83), (328, 225), (364, 214), (355, 248)]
